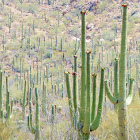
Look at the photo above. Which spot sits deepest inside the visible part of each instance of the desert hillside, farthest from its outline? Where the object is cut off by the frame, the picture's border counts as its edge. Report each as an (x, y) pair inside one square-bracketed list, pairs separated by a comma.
[(44, 69)]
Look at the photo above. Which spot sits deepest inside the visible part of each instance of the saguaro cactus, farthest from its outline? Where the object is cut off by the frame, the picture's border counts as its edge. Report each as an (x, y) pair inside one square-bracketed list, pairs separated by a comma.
[(24, 103), (1, 96), (88, 120), (34, 129), (122, 100), (9, 108)]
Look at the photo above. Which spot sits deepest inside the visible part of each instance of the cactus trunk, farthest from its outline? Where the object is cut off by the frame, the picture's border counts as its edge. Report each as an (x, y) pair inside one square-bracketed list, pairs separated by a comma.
[(122, 110)]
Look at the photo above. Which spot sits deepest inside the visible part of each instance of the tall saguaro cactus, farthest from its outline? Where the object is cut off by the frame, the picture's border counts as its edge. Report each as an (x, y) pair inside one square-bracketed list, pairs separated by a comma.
[(34, 129), (122, 100), (122, 112), (87, 120)]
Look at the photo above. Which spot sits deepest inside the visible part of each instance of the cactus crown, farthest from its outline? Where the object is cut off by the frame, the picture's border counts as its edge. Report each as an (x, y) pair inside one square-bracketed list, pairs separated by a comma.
[(124, 4), (89, 52), (74, 73), (83, 12)]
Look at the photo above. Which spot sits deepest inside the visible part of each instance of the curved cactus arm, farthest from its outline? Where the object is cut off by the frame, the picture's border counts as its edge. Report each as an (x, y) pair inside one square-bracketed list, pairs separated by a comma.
[(95, 123), (86, 128), (30, 126), (69, 95), (27, 102), (130, 94), (109, 94)]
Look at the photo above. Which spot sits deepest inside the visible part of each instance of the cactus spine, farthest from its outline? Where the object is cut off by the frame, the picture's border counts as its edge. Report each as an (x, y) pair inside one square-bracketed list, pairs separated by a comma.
[(34, 129), (87, 121)]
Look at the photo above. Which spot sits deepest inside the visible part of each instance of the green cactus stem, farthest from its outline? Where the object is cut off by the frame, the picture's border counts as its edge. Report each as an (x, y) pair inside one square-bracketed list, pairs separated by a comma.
[(122, 112), (83, 70)]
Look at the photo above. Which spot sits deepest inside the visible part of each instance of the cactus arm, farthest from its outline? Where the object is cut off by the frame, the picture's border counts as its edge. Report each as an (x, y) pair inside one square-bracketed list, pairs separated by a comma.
[(86, 128), (69, 96), (130, 94), (94, 98), (11, 107), (95, 123), (75, 101), (27, 102), (75, 63), (7, 102), (30, 126), (116, 81), (75, 91), (83, 70), (109, 94), (24, 98)]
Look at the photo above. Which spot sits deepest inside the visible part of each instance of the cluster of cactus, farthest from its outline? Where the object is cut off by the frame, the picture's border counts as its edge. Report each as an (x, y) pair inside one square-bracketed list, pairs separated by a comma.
[(9, 108), (88, 120)]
